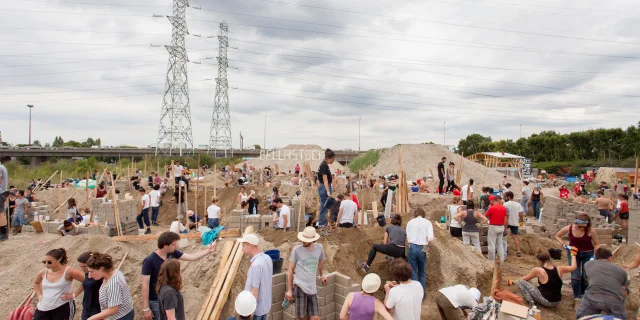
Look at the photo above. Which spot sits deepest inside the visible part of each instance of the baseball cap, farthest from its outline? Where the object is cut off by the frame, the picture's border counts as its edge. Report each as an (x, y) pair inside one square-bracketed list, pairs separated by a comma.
[(492, 198), (250, 239)]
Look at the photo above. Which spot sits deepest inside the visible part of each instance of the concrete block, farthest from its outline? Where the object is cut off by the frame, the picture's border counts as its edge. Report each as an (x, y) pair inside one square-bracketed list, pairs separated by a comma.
[(278, 297), (323, 291), (343, 280), (329, 308), (276, 307), (322, 301), (236, 212), (278, 278), (333, 316), (338, 299), (280, 288), (287, 316), (330, 298), (277, 315)]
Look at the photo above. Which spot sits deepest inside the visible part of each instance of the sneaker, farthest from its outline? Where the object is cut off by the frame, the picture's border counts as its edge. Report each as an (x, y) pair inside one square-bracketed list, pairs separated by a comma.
[(519, 254), (363, 266), (388, 258), (148, 231)]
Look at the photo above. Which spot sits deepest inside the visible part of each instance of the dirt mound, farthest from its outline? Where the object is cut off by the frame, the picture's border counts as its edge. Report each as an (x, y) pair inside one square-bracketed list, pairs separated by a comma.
[(417, 159), (284, 165)]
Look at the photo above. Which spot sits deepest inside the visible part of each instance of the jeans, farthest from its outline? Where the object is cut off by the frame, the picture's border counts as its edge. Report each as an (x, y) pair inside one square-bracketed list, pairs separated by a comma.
[(536, 208), (451, 184), (494, 240), (154, 213), (524, 202), (389, 249), (177, 180), (441, 185), (472, 238), (418, 261), (131, 315), (596, 304), (578, 279), (262, 317), (154, 305), (19, 220), (324, 197), (143, 214), (213, 223)]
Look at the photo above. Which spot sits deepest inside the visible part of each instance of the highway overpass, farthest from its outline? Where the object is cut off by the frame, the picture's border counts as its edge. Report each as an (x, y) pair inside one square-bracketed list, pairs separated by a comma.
[(39, 155)]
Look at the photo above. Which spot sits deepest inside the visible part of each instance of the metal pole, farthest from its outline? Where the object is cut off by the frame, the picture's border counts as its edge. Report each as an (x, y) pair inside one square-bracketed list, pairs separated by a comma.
[(444, 136), (30, 107), (359, 133)]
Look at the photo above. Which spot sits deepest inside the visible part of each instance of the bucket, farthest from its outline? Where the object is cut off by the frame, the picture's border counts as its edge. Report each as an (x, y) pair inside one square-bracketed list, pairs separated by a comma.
[(555, 254), (274, 254), (277, 266)]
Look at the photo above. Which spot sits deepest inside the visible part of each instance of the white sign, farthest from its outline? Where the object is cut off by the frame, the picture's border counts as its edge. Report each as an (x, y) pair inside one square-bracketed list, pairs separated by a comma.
[(278, 155)]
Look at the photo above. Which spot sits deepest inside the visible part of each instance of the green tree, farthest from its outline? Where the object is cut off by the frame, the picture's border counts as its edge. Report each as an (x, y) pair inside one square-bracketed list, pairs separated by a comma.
[(474, 143), (37, 143), (256, 146)]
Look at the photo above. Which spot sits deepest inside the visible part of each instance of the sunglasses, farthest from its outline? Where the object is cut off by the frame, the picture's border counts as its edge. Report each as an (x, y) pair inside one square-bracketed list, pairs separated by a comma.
[(47, 262)]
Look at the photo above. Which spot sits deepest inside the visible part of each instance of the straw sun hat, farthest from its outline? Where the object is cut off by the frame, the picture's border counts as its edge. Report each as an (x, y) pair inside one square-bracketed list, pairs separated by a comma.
[(308, 235)]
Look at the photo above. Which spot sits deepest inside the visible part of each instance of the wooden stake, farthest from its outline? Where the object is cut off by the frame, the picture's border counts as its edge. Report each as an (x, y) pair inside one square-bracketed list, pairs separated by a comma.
[(60, 190), (144, 173), (300, 216), (173, 176), (186, 207), (63, 202), (195, 201), (86, 189), (374, 208), (37, 188), (119, 167), (179, 206), (115, 207), (635, 179), (215, 180), (122, 261), (497, 276)]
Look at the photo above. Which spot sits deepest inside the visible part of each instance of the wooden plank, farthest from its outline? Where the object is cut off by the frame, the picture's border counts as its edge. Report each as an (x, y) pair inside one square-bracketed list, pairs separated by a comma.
[(301, 206), (122, 261), (63, 202), (195, 200), (37, 226), (224, 256), (497, 275), (219, 281), (224, 294), (37, 188), (215, 179), (225, 233)]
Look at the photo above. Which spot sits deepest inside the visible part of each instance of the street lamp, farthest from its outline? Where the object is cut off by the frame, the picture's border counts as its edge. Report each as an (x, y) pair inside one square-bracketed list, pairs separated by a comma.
[(359, 133), (30, 106)]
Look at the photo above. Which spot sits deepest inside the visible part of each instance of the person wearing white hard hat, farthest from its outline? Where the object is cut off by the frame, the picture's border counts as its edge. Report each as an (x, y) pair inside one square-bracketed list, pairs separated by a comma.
[(245, 306), (258, 276), (452, 301), (363, 305), (307, 260)]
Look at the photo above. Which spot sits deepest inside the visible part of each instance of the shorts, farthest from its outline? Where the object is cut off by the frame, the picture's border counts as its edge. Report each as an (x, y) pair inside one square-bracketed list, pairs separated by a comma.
[(345, 225), (306, 304), (65, 311), (19, 220), (604, 212), (514, 230), (624, 216), (455, 232)]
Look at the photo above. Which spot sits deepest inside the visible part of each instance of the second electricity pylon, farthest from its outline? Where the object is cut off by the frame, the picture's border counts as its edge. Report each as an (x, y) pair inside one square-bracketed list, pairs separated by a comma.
[(175, 133), (220, 133)]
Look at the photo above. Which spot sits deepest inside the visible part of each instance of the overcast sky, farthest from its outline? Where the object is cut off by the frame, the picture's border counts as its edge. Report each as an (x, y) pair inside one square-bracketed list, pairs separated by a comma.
[(314, 68)]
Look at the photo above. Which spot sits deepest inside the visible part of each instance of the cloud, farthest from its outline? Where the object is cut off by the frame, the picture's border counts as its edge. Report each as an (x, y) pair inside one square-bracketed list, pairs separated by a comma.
[(403, 70)]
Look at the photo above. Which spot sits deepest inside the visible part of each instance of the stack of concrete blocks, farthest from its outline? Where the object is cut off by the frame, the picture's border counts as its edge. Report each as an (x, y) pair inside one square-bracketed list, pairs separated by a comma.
[(52, 227), (240, 219), (294, 205), (123, 187), (559, 213), (127, 209), (330, 296), (634, 222)]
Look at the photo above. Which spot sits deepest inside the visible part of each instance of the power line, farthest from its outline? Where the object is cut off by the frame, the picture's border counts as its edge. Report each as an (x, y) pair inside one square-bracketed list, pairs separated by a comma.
[(448, 23), (79, 90), (470, 77), (76, 71)]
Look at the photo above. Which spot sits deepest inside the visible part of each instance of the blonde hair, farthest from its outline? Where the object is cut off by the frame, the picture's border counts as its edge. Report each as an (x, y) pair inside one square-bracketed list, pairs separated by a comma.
[(215, 199), (457, 199)]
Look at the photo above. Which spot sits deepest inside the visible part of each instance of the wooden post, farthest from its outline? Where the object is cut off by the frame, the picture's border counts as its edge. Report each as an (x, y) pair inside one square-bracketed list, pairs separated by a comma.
[(224, 256), (497, 276), (144, 173), (60, 190), (115, 208), (119, 167), (63, 202), (300, 216), (635, 179), (195, 201), (374, 208), (86, 189), (173, 176), (179, 203), (158, 168), (204, 202), (215, 180)]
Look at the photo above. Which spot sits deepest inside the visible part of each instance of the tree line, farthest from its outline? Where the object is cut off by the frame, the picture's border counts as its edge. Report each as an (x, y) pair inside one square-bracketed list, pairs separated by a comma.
[(590, 146)]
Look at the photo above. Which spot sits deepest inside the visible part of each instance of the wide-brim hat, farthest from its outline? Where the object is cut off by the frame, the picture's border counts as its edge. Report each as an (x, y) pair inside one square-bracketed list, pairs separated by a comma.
[(309, 234), (371, 283)]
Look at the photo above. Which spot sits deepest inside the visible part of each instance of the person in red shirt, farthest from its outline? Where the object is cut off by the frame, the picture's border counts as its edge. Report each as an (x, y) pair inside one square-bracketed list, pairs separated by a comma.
[(102, 190), (456, 191), (564, 192), (576, 189), (623, 213), (497, 215)]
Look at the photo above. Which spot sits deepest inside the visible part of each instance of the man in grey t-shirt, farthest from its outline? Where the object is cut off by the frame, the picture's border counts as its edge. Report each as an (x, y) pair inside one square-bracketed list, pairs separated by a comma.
[(308, 261), (259, 277), (20, 212), (608, 287)]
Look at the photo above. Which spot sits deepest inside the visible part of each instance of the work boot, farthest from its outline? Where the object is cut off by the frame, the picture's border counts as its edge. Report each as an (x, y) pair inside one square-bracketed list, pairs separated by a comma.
[(363, 266), (148, 231)]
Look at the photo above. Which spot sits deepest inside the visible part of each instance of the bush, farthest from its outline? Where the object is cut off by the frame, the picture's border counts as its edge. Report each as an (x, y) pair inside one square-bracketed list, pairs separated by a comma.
[(363, 160)]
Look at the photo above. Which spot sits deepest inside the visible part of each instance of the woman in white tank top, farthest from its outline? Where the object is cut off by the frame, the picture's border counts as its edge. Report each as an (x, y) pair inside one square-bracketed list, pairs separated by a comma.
[(52, 284)]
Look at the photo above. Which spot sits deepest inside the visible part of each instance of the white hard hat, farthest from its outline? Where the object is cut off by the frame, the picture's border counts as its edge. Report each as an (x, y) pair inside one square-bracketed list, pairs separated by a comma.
[(475, 293), (245, 303)]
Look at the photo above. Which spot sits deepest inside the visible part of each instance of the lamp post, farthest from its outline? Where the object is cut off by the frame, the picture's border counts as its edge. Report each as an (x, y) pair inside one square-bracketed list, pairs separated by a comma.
[(359, 133), (30, 106), (444, 134)]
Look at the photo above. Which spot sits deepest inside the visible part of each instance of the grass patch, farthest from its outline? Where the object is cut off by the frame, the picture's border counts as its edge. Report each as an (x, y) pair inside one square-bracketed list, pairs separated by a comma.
[(363, 160)]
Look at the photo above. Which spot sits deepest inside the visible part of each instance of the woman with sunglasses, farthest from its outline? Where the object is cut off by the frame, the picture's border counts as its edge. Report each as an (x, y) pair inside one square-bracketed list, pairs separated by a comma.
[(586, 240), (52, 284), (114, 296)]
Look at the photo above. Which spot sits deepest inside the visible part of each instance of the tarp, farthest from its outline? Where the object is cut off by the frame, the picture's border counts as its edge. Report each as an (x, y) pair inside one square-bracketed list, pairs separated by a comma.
[(82, 184)]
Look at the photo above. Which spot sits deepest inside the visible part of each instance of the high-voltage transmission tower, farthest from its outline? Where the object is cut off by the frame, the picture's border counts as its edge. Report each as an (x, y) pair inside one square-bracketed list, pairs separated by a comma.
[(220, 133), (175, 133)]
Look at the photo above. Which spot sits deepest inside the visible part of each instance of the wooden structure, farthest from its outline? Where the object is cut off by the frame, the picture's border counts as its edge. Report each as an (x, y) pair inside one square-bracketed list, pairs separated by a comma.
[(503, 162)]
